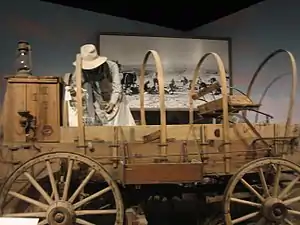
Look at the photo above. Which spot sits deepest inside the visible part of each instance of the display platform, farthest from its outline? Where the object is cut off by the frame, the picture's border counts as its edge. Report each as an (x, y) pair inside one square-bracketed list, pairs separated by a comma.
[(18, 221)]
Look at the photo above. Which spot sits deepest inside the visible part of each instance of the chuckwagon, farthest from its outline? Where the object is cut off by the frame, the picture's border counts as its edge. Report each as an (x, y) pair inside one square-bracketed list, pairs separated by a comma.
[(86, 174)]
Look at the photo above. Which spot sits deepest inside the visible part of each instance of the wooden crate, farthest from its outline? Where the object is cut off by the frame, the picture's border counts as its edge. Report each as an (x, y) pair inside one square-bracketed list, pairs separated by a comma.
[(40, 95)]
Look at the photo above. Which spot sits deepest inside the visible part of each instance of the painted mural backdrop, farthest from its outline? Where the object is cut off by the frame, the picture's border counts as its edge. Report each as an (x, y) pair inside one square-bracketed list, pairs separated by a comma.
[(179, 58)]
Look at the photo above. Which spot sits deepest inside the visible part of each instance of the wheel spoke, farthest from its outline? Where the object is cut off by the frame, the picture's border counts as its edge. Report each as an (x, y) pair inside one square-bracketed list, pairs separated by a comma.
[(95, 212), (29, 214), (28, 200), (288, 222), (43, 222), (276, 181), (52, 181), (294, 212), (83, 222), (24, 187), (263, 182), (81, 186), (288, 188), (91, 197), (291, 200), (244, 218), (244, 202), (52, 195), (105, 206), (251, 189), (68, 180), (38, 188), (291, 193)]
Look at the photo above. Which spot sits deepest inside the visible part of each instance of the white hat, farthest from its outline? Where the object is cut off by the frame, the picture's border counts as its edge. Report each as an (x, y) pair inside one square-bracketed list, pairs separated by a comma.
[(90, 57)]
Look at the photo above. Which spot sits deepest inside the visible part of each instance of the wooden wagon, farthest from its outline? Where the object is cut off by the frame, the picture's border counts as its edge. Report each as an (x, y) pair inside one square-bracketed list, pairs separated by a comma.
[(86, 174)]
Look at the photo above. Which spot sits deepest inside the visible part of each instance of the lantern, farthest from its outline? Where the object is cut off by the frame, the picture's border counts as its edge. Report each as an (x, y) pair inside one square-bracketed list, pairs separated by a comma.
[(23, 60)]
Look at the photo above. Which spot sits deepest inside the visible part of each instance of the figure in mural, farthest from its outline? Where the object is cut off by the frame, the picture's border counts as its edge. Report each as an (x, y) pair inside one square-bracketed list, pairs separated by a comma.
[(129, 83), (103, 100)]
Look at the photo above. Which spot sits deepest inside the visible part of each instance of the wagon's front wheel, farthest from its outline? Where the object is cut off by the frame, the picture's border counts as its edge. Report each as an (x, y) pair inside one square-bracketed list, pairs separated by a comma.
[(62, 188), (271, 183)]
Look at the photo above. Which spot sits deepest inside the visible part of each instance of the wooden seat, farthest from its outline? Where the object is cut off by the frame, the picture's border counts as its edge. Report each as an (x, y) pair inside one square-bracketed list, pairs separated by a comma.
[(235, 104)]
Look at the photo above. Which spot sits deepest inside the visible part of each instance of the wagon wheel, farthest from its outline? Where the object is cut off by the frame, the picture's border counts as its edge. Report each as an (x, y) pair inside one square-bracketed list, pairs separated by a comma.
[(271, 201), (63, 203)]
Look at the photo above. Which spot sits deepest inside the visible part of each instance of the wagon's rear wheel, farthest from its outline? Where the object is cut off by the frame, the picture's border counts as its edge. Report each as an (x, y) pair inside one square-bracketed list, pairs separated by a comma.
[(271, 183), (67, 190)]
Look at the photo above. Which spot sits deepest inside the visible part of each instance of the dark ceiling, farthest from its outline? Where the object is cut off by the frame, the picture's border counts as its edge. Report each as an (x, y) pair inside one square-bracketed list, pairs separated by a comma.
[(181, 15)]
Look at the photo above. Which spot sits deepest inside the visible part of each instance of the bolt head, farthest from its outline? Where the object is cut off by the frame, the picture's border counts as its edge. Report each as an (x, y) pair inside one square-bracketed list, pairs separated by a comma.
[(59, 217)]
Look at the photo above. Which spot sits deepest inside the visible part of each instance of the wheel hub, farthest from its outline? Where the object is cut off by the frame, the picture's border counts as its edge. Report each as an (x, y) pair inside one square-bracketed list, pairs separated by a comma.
[(274, 210), (59, 217), (61, 213)]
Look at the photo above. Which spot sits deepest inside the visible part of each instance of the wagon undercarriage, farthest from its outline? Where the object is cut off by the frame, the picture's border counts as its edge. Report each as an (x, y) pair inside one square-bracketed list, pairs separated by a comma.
[(91, 175)]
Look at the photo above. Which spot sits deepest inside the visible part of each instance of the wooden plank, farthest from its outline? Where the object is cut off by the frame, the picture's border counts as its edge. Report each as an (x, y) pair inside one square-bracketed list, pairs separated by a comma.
[(238, 101), (33, 79), (152, 137), (135, 134), (156, 173), (80, 128), (12, 130), (37, 81), (48, 113), (207, 90), (210, 107), (130, 134), (41, 99)]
